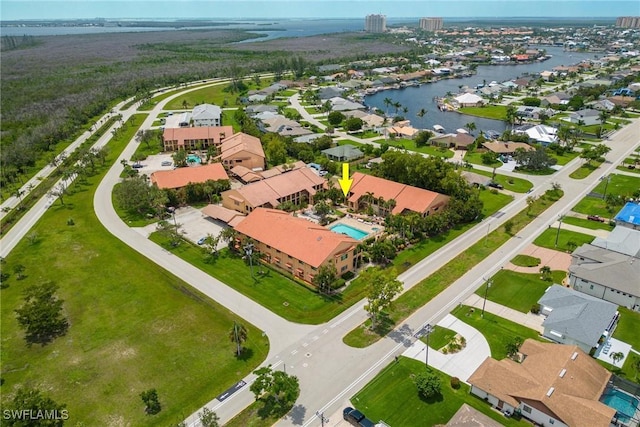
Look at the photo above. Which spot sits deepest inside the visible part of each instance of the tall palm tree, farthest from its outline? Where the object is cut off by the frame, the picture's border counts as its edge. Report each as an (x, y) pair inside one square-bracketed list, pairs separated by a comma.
[(238, 335), (471, 126), (511, 115), (387, 103), (397, 105), (421, 113)]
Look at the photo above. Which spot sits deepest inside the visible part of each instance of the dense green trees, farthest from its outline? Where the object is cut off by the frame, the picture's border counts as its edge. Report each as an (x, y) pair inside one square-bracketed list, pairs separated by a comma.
[(276, 389), (429, 385), (534, 160), (41, 314), (32, 400), (382, 287), (151, 401), (325, 278)]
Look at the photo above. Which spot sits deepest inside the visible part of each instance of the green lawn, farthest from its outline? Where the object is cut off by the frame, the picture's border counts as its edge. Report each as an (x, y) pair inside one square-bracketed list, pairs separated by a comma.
[(548, 239), (497, 112), (439, 337), (585, 170), (210, 95), (585, 223), (626, 169), (392, 397), (516, 290), (497, 331), (565, 158), (476, 158), (128, 321), (628, 327), (525, 261), (517, 185), (280, 294), (623, 185), (428, 288), (410, 145), (148, 106)]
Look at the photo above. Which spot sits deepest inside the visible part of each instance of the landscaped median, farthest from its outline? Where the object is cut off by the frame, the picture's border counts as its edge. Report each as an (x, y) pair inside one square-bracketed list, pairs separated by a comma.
[(423, 292), (127, 318)]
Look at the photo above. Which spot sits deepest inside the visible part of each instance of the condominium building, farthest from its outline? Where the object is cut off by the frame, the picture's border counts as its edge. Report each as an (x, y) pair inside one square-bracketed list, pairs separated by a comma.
[(196, 138), (375, 24), (430, 24), (628, 22)]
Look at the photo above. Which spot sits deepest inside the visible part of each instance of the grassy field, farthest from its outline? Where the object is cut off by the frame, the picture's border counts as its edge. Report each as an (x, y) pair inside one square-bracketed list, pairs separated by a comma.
[(585, 170), (497, 331), (410, 145), (565, 158), (476, 158), (623, 185), (525, 261), (497, 112), (628, 327), (214, 94), (516, 290), (428, 288), (393, 398), (517, 185), (548, 239), (283, 296), (439, 337), (133, 325), (585, 223)]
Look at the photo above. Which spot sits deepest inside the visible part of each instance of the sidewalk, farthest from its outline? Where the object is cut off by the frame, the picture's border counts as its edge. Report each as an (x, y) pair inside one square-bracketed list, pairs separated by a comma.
[(530, 320)]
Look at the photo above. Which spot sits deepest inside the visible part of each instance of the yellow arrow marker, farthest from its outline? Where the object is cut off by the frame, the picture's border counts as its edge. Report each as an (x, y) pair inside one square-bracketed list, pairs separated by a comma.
[(345, 182)]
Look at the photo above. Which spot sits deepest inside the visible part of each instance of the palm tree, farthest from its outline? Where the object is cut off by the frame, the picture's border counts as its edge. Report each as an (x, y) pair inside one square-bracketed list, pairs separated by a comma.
[(238, 335), (397, 106), (511, 115), (471, 126), (387, 103), (184, 104), (421, 113)]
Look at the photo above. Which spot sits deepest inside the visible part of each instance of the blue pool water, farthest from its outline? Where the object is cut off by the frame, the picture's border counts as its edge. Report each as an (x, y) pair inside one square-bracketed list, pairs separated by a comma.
[(623, 403), (349, 231), (193, 159)]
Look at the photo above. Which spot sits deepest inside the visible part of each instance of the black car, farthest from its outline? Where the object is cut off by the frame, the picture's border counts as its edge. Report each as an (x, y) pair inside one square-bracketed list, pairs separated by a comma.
[(352, 415), (495, 185)]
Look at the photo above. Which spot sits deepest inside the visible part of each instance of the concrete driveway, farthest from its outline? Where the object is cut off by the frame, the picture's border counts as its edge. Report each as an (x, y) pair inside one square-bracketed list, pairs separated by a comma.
[(461, 364)]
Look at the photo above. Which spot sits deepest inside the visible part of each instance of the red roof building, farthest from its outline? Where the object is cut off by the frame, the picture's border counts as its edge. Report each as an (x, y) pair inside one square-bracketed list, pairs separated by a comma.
[(180, 177)]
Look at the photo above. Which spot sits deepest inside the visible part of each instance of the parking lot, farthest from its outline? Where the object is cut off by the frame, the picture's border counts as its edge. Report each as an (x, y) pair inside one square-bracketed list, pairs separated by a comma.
[(154, 163), (195, 225)]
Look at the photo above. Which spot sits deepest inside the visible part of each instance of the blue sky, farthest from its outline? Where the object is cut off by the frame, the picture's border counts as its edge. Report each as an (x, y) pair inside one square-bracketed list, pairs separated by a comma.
[(64, 9)]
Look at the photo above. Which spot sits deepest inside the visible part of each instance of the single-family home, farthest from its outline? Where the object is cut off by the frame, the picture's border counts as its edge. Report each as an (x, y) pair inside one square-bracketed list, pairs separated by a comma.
[(284, 126), (180, 177), (587, 117), (402, 129), (542, 134), (554, 385), (469, 100), (297, 186), (295, 245), (194, 138), (535, 113), (242, 150), (343, 153), (629, 216), (602, 105), (342, 104), (548, 75), (507, 148), (389, 197), (475, 179), (576, 318), (457, 141), (206, 115)]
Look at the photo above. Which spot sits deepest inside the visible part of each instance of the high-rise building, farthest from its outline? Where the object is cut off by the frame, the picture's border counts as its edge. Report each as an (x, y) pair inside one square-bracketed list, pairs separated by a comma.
[(431, 24), (628, 22), (375, 24)]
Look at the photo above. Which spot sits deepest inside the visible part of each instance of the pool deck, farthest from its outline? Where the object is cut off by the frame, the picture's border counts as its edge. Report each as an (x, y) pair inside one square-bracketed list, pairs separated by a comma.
[(363, 226)]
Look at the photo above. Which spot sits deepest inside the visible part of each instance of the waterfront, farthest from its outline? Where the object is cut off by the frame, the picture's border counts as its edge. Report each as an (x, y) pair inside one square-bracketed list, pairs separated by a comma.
[(416, 98)]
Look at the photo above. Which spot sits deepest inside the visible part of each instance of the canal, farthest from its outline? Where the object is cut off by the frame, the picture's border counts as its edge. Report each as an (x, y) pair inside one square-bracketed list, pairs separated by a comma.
[(415, 98)]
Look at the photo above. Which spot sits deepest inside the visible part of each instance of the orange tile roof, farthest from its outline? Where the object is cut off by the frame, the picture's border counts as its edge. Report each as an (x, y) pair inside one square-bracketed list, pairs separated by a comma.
[(197, 133), (406, 197), (180, 177), (221, 213), (271, 189), (297, 237), (241, 142), (575, 396)]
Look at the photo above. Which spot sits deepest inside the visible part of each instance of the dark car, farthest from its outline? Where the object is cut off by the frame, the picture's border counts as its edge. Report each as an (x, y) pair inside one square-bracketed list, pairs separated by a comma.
[(595, 218), (495, 185), (352, 415), (366, 422)]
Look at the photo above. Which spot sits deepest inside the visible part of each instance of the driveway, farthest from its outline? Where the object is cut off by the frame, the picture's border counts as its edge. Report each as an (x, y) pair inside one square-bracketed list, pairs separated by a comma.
[(462, 364), (556, 260)]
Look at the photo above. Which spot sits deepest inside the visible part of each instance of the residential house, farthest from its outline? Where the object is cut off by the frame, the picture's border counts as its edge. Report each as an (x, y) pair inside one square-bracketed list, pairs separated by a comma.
[(244, 150), (629, 216), (548, 75), (296, 186), (475, 179), (587, 117), (622, 101), (184, 120), (457, 141), (295, 245), (576, 318), (469, 100), (285, 127), (603, 105), (555, 384), (606, 274), (195, 138), (508, 148), (181, 177), (401, 129), (328, 92), (251, 110), (389, 197), (343, 153), (341, 104), (557, 98), (542, 134), (534, 113), (206, 115)]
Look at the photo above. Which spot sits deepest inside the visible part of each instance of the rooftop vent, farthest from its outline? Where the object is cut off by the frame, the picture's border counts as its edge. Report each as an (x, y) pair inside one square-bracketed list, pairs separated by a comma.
[(564, 371), (574, 355), (550, 392)]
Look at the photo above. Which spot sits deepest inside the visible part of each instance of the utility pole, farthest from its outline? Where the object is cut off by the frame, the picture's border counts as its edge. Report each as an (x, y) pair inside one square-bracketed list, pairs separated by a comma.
[(248, 250), (428, 331), (486, 289), (560, 218)]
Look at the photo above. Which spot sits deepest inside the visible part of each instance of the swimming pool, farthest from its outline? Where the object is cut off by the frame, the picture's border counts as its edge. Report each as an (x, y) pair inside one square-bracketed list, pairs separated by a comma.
[(192, 158), (625, 404), (349, 231)]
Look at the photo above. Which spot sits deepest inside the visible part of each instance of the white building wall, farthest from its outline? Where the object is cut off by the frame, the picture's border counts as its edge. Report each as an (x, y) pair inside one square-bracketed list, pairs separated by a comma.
[(540, 417), (599, 291)]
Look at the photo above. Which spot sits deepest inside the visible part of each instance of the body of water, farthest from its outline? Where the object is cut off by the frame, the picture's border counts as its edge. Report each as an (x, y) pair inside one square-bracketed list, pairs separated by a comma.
[(416, 98)]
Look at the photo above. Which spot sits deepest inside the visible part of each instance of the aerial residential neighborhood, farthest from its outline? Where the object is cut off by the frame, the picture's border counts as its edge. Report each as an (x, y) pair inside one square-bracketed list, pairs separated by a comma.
[(312, 221)]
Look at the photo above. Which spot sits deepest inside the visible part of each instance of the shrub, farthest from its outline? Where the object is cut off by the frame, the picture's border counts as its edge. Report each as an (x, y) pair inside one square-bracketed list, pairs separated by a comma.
[(428, 385), (535, 308), (338, 284), (348, 275), (455, 383)]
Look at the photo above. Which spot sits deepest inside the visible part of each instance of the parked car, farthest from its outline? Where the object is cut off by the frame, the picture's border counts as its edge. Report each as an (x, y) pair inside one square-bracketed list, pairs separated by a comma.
[(323, 173), (201, 240), (595, 218), (495, 185), (352, 415), (137, 166), (166, 163)]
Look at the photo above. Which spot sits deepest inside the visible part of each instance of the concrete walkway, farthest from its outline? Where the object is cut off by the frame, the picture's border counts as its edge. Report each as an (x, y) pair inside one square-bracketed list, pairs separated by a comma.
[(595, 233), (530, 320), (462, 364)]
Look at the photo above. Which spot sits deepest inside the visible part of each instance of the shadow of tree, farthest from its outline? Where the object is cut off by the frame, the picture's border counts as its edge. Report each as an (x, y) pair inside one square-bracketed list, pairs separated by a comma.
[(245, 354), (297, 414)]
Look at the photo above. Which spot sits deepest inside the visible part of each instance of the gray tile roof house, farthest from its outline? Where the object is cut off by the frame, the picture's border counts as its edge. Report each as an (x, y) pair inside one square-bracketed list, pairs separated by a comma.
[(622, 240), (575, 318), (343, 153)]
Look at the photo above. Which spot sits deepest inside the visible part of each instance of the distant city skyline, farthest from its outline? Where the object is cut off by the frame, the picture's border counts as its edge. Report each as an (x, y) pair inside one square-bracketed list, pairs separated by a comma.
[(281, 9)]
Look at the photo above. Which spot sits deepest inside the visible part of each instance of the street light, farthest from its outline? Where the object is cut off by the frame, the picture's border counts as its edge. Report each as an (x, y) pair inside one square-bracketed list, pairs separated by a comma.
[(248, 250), (427, 331), (560, 218), (606, 184), (486, 289), (322, 417)]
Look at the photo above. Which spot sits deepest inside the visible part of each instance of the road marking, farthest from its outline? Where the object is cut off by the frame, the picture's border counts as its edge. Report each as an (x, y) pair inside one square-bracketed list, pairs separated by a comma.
[(315, 337), (294, 351), (306, 344), (325, 331)]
